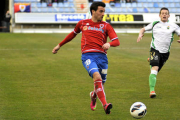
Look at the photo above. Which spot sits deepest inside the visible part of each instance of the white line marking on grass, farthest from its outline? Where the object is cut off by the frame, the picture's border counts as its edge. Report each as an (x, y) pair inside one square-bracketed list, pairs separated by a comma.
[(137, 48), (22, 49), (124, 34), (132, 48)]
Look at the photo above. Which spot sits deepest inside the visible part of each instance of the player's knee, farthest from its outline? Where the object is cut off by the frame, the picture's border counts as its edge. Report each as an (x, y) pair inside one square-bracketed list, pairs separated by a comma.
[(154, 68), (154, 72), (96, 76)]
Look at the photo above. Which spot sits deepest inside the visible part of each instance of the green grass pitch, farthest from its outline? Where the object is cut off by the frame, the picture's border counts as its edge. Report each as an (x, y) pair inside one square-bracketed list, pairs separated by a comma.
[(38, 85)]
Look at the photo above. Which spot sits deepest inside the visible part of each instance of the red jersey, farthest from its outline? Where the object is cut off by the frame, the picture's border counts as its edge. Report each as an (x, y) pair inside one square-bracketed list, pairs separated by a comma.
[(94, 35)]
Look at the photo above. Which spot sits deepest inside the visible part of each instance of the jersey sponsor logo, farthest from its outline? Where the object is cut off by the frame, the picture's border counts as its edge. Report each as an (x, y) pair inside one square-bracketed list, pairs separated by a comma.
[(96, 29), (85, 28)]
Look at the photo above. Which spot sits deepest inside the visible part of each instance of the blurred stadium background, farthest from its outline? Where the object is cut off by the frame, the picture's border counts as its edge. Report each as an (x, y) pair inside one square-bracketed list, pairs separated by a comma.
[(35, 86), (59, 16)]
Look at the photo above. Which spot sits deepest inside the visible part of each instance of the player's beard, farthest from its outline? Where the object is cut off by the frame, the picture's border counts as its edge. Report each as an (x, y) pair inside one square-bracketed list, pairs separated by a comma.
[(100, 19)]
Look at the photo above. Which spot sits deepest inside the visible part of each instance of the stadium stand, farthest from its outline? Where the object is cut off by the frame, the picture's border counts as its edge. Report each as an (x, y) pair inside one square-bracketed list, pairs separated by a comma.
[(81, 6), (115, 8)]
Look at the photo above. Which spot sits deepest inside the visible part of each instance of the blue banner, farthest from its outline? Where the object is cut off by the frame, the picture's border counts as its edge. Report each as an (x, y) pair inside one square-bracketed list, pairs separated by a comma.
[(69, 17)]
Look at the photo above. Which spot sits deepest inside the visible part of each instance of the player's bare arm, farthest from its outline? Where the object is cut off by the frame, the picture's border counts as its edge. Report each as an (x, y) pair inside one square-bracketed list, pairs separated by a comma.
[(179, 39), (55, 50), (141, 34)]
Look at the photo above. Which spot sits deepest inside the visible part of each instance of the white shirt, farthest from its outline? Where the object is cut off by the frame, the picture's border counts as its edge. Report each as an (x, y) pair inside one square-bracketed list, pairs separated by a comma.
[(162, 35)]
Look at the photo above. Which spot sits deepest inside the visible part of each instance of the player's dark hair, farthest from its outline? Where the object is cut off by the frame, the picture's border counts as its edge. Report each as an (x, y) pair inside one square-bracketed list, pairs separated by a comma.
[(94, 6), (164, 8)]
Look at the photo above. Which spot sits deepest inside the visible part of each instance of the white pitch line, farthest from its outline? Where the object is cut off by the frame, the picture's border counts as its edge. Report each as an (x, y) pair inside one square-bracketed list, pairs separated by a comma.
[(34, 49), (21, 49), (136, 48)]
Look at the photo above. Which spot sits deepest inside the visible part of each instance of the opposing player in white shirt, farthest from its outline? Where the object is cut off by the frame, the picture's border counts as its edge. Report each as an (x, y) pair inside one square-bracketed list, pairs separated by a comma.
[(162, 37)]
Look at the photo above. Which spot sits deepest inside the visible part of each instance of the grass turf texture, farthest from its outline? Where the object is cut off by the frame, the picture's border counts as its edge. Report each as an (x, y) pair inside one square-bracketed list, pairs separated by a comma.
[(38, 85)]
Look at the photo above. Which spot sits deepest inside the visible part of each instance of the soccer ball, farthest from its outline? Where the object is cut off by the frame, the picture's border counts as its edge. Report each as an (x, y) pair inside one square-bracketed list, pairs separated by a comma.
[(138, 110)]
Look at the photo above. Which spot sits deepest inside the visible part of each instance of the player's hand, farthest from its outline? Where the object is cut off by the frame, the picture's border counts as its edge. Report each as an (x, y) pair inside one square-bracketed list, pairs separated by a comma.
[(140, 37), (106, 46), (54, 51), (178, 41)]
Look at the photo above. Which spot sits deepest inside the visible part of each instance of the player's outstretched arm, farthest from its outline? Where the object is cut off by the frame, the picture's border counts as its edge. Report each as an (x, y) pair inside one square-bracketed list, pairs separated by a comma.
[(68, 38), (141, 34)]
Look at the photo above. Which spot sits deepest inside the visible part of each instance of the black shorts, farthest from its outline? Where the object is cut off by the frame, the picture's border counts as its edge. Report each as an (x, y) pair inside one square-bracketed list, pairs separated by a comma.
[(158, 59)]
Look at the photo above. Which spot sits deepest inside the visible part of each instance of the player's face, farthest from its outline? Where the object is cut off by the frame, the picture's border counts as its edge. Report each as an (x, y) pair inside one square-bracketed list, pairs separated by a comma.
[(99, 13), (164, 15)]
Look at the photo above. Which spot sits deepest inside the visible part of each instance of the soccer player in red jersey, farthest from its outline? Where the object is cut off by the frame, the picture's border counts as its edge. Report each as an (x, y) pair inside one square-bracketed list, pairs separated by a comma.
[(94, 47)]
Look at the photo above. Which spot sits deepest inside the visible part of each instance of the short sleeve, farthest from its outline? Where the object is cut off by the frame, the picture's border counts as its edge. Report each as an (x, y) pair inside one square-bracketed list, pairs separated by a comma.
[(148, 27)]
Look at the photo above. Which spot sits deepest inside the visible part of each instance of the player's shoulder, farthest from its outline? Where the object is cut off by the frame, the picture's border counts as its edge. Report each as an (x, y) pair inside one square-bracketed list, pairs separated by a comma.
[(173, 24), (104, 22), (155, 22), (84, 20)]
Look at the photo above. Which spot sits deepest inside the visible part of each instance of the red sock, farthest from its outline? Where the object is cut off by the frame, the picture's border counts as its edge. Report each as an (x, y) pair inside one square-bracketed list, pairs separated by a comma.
[(99, 90)]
